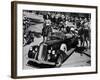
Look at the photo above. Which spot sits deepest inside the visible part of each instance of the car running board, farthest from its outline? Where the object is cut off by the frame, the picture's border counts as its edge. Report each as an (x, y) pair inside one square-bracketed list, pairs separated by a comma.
[(69, 53), (42, 62)]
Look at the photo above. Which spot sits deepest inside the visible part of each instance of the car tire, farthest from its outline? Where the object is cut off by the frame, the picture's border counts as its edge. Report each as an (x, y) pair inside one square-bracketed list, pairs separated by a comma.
[(63, 47), (59, 61)]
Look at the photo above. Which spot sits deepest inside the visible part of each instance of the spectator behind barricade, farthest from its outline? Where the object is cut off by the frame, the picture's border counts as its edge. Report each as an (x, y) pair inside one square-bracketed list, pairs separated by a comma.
[(52, 18), (86, 23), (77, 22), (63, 18), (67, 29), (72, 30), (82, 21), (87, 32), (68, 33), (57, 20), (61, 26)]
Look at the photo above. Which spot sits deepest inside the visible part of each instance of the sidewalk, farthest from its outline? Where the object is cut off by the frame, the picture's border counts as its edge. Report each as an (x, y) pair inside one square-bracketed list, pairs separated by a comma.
[(76, 60)]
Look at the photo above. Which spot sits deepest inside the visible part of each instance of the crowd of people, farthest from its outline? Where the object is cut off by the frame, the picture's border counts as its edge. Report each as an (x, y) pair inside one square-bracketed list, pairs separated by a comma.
[(63, 22), (80, 25)]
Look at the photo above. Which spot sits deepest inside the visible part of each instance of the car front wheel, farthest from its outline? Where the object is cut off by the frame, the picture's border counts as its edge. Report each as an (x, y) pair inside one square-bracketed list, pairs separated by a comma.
[(59, 61)]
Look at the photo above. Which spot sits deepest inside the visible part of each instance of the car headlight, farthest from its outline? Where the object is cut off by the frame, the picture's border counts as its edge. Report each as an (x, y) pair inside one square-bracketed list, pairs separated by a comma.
[(33, 51), (49, 51), (53, 52)]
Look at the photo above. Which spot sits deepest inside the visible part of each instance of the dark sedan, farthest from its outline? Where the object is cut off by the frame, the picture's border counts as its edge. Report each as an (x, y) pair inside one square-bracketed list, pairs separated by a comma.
[(53, 52)]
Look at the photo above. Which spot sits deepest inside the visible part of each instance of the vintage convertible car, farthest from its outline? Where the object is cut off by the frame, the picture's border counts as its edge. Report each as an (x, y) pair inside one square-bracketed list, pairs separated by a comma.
[(53, 52)]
